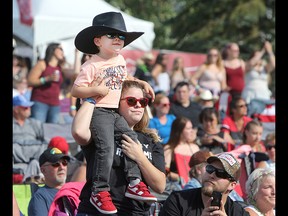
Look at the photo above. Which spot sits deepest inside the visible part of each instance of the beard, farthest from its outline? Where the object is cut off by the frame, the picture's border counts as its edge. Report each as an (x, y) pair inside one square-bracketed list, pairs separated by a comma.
[(207, 190)]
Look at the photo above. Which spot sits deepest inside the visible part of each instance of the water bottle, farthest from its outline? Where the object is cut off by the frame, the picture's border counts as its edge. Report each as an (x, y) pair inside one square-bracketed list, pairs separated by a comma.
[(57, 73)]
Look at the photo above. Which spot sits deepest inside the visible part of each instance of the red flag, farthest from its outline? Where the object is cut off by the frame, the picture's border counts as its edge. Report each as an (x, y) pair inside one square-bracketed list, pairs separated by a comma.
[(25, 12)]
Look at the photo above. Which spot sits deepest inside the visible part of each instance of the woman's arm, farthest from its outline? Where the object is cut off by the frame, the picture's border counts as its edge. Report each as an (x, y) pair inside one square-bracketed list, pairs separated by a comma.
[(80, 126), (153, 176)]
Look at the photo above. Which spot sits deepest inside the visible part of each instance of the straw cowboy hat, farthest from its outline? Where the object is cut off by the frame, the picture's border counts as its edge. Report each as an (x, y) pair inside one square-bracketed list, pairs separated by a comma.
[(105, 23)]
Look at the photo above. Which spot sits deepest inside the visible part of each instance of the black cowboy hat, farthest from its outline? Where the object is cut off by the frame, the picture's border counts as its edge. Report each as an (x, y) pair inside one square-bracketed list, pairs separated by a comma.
[(105, 23)]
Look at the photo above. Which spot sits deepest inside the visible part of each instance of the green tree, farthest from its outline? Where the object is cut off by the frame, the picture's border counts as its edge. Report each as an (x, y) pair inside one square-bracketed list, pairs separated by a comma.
[(197, 25)]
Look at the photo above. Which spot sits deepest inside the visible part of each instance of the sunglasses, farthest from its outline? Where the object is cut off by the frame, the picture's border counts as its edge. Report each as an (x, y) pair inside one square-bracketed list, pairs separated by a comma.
[(241, 106), (114, 35), (213, 55), (165, 104), (220, 173), (132, 101), (269, 147), (57, 164), (24, 108)]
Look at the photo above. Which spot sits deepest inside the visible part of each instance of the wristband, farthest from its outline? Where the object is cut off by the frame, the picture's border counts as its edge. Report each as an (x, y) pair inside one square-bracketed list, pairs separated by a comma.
[(72, 107), (42, 80), (90, 100)]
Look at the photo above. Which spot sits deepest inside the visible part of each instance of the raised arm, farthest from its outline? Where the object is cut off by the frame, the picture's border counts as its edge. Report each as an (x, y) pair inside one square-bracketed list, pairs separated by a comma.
[(147, 87)]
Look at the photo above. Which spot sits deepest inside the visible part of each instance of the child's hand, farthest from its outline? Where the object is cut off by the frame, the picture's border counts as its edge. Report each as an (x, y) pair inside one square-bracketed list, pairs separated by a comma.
[(100, 88)]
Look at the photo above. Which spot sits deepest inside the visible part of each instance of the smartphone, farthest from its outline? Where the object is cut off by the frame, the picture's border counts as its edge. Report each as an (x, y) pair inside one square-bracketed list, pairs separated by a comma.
[(217, 196)]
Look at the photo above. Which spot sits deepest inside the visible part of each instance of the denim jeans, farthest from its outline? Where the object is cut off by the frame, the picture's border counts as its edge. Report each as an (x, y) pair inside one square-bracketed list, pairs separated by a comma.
[(45, 113), (105, 125)]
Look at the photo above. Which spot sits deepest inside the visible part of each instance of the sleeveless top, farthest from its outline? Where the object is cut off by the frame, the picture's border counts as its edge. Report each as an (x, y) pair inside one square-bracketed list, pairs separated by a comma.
[(235, 78), (212, 81), (256, 86), (50, 92)]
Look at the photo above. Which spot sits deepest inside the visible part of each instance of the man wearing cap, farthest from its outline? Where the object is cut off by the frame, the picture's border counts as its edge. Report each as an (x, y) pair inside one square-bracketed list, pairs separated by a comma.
[(28, 138), (53, 165), (222, 174)]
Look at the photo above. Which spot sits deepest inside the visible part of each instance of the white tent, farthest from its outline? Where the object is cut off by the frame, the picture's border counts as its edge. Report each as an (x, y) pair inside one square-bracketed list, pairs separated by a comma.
[(61, 20)]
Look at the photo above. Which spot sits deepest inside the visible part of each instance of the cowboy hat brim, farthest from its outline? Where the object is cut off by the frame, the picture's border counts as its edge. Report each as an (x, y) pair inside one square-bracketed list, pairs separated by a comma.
[(84, 41)]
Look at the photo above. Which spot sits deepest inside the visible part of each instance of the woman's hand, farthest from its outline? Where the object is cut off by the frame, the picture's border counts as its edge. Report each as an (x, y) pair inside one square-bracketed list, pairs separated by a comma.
[(132, 149)]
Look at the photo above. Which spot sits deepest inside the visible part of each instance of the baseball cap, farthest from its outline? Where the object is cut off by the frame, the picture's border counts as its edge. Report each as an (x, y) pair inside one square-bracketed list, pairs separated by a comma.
[(229, 162), (199, 157), (20, 100), (52, 155), (60, 143)]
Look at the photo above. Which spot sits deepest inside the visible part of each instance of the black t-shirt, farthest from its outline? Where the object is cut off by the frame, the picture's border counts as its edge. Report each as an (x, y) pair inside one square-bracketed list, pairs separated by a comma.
[(189, 203), (192, 111), (118, 183)]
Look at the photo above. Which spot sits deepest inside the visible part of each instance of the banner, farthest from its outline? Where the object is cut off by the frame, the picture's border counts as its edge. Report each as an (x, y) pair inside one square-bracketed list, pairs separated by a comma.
[(25, 12)]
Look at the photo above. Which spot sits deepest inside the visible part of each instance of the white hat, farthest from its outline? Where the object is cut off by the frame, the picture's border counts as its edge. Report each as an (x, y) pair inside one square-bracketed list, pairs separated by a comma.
[(206, 95)]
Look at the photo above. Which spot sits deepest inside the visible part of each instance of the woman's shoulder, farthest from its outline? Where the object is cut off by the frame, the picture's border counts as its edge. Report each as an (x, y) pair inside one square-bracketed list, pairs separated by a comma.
[(252, 211)]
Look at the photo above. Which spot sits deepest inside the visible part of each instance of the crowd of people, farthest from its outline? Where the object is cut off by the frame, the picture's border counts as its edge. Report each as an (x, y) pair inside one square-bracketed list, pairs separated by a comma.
[(140, 132)]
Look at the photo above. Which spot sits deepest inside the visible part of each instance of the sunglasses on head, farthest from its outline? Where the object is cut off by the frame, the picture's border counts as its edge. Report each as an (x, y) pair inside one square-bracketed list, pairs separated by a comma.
[(57, 164), (132, 101), (220, 173), (269, 147), (114, 35)]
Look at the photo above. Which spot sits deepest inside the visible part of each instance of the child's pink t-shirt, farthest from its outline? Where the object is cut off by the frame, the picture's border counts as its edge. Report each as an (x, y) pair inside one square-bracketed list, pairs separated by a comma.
[(113, 71)]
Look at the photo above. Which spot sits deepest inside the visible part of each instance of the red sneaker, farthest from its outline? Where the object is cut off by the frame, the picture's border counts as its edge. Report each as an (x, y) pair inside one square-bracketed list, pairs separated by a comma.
[(103, 202), (140, 192)]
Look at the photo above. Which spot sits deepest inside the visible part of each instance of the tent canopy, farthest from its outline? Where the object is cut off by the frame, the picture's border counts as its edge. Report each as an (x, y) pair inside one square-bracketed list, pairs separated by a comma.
[(61, 20)]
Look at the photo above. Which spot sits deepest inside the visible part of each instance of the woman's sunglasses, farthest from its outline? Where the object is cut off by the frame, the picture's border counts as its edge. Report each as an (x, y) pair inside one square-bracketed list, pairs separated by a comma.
[(57, 164), (269, 147), (114, 35), (164, 104), (132, 101), (220, 173)]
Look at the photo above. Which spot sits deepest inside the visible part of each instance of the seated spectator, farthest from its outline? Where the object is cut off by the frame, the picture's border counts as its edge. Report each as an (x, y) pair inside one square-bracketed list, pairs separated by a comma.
[(197, 163), (261, 191), (206, 99), (28, 139), (211, 138), (270, 145), (222, 174), (235, 123), (61, 143), (182, 104), (182, 144), (53, 165), (162, 120)]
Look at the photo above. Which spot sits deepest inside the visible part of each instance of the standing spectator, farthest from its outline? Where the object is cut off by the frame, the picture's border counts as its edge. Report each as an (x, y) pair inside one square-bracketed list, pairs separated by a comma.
[(235, 123), (53, 165), (257, 76), (181, 142), (210, 135), (211, 75), (160, 74), (222, 174), (235, 69), (261, 191), (148, 155), (144, 67), (178, 72), (46, 78), (183, 106), (28, 138), (162, 120), (105, 39)]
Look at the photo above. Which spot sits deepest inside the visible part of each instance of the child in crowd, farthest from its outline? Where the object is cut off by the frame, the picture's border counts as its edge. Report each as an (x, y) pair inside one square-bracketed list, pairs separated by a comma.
[(107, 67)]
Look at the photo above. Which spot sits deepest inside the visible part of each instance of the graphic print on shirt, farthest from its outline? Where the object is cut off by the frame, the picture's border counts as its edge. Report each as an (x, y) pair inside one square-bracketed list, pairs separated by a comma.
[(115, 76)]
